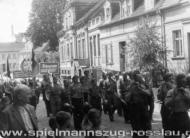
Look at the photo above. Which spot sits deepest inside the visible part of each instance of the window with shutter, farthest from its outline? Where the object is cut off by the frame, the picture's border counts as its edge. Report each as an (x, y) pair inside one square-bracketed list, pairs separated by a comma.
[(71, 45), (177, 43), (78, 49), (98, 45), (91, 51), (108, 54), (84, 48), (104, 54), (111, 46), (81, 49), (94, 42), (68, 51), (62, 52)]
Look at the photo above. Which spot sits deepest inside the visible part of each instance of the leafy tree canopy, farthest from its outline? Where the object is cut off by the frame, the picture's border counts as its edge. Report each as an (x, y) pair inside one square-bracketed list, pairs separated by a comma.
[(51, 56), (45, 22), (147, 49)]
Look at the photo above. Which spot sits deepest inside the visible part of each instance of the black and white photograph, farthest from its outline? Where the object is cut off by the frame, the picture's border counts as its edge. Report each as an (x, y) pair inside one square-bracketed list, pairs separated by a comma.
[(94, 68)]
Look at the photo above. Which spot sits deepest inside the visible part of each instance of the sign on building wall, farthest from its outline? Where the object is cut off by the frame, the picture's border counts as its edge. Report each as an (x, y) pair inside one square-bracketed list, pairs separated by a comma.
[(49, 68)]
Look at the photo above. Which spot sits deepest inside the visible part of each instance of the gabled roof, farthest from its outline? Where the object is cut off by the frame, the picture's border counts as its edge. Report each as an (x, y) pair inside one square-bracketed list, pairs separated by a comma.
[(167, 3), (11, 47), (79, 2), (90, 13), (162, 4), (84, 1)]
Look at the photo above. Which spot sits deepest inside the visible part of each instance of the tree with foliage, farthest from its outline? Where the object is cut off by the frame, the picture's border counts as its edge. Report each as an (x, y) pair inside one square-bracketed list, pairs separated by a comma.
[(45, 22), (51, 56), (146, 46)]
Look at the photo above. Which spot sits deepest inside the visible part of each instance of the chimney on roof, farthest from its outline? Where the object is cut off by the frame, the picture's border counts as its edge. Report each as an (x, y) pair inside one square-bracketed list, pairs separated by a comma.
[(12, 33)]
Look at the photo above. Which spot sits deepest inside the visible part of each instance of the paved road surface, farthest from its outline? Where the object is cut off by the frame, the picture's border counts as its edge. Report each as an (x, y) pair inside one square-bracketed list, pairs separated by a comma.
[(118, 124)]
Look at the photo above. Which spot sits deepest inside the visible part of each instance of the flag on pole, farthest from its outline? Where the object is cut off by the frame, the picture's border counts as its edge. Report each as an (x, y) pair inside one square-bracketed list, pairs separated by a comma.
[(34, 64), (8, 68)]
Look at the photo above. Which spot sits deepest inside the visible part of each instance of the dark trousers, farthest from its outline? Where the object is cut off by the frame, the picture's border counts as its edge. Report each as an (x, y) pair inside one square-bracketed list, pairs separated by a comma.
[(78, 113), (180, 123), (126, 112), (48, 107), (119, 106), (165, 112), (55, 103), (95, 102), (111, 105), (140, 119)]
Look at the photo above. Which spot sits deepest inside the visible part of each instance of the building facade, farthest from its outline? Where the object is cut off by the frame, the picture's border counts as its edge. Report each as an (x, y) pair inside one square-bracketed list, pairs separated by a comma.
[(10, 51), (73, 47), (26, 52), (101, 36)]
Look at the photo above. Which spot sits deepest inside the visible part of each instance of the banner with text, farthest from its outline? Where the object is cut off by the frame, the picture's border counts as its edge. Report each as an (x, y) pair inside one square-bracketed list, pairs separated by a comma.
[(49, 68), (21, 74)]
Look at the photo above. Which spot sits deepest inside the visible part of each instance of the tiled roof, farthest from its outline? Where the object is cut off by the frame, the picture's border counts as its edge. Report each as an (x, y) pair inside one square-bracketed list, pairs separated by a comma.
[(89, 14), (79, 2), (11, 47), (84, 1), (167, 3), (162, 4)]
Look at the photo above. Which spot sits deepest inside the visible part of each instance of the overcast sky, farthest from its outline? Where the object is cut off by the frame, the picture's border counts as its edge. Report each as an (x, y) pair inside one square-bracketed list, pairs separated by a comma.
[(13, 13)]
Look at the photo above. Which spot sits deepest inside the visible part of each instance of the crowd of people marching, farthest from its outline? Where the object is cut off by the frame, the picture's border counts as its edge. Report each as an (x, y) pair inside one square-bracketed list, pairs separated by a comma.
[(80, 103)]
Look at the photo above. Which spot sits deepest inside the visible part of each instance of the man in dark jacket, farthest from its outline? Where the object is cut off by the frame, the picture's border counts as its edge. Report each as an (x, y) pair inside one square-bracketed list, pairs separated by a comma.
[(77, 101), (55, 99), (110, 95), (46, 89), (162, 93), (178, 102), (140, 100), (20, 116), (102, 86)]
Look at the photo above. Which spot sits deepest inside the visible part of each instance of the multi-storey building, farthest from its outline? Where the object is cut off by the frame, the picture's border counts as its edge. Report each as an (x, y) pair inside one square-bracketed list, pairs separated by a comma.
[(172, 22), (73, 45), (99, 38), (10, 51), (26, 52)]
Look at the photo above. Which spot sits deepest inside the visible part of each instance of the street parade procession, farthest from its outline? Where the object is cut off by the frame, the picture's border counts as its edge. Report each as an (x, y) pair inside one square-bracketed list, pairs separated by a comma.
[(95, 68), (80, 103)]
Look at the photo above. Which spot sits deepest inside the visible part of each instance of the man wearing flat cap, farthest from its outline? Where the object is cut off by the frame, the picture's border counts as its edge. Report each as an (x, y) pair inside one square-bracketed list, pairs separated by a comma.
[(20, 116)]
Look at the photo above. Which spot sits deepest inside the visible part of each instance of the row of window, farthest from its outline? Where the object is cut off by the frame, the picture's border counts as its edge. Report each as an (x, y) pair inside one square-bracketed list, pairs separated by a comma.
[(81, 49), (178, 49), (66, 72), (127, 7), (67, 51), (10, 56), (95, 50), (12, 66), (95, 21), (107, 50)]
